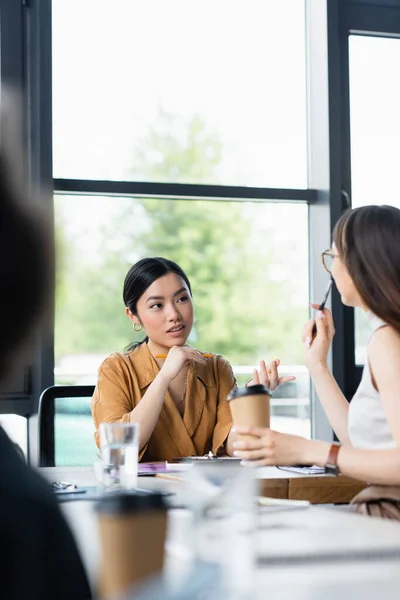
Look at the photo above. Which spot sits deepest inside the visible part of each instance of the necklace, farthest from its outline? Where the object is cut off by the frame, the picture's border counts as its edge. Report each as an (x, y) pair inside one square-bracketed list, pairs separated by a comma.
[(183, 397), (184, 392)]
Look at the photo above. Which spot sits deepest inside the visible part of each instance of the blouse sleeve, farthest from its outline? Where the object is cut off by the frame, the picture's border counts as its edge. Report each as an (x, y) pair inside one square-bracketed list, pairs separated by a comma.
[(111, 402), (226, 382)]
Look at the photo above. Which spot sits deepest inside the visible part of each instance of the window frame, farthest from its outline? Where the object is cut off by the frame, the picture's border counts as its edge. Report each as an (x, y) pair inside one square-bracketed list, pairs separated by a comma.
[(367, 18), (25, 33)]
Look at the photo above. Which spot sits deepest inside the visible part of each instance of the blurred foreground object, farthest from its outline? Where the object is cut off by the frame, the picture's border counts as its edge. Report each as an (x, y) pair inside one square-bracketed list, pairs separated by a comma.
[(40, 559), (27, 258), (133, 528)]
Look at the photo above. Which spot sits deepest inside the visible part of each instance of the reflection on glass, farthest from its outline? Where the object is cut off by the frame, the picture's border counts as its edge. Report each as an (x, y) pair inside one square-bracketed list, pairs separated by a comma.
[(375, 133), (250, 285), (149, 91)]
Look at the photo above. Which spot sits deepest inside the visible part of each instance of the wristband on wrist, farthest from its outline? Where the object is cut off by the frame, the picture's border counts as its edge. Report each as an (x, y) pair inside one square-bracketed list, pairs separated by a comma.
[(331, 467)]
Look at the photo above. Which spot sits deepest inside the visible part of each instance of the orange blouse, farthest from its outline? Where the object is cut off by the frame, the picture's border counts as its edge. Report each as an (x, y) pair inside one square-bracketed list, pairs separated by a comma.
[(122, 382)]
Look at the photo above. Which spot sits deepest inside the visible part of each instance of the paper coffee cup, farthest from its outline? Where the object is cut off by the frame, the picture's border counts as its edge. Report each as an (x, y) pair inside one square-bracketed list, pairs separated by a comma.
[(132, 535), (250, 406)]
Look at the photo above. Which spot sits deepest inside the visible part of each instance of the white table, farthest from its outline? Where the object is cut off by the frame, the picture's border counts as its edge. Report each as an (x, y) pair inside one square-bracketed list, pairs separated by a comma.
[(316, 552)]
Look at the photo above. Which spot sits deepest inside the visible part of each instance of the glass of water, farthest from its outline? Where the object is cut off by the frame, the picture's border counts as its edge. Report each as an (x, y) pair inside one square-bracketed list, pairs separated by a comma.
[(222, 496), (119, 445)]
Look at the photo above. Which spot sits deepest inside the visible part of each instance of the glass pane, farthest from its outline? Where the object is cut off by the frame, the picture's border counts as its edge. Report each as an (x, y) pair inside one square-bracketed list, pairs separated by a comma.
[(178, 91), (250, 287), (375, 133), (73, 433), (15, 427)]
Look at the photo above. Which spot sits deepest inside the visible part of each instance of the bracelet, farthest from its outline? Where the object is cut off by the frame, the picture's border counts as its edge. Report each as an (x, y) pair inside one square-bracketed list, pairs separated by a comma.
[(331, 466)]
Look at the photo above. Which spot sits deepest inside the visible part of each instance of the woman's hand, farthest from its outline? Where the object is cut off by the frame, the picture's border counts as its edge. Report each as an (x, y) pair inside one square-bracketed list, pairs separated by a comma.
[(178, 357), (317, 347), (268, 375), (273, 448)]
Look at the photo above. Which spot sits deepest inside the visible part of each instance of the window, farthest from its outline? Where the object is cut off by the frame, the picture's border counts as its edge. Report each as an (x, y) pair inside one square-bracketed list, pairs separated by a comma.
[(250, 286), (184, 92), (155, 101), (375, 133), (201, 93)]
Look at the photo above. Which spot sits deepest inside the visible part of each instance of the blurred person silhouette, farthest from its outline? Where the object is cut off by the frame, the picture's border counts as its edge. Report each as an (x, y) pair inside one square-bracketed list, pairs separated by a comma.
[(40, 558)]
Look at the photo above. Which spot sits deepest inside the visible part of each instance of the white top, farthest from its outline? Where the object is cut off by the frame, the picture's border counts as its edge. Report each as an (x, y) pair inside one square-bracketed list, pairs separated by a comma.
[(367, 422)]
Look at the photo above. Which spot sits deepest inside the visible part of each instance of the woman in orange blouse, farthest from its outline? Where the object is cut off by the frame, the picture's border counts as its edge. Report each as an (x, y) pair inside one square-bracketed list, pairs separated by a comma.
[(176, 393)]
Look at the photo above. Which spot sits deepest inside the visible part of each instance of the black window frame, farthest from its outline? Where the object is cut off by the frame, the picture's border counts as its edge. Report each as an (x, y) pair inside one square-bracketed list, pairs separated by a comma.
[(379, 18), (25, 40)]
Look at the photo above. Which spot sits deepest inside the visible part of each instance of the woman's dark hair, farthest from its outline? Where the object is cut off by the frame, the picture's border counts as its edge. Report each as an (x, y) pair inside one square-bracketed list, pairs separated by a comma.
[(140, 277), (368, 242)]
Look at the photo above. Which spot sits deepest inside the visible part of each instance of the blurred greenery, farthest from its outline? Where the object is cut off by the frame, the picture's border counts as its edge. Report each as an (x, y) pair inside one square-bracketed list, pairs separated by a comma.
[(241, 311)]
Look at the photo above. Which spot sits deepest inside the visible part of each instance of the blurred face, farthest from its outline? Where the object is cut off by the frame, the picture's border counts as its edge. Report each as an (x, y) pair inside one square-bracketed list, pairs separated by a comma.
[(344, 283), (165, 311)]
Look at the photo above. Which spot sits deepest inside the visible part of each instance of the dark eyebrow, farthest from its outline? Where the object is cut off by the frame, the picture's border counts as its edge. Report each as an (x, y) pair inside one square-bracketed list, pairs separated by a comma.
[(155, 298), (183, 289)]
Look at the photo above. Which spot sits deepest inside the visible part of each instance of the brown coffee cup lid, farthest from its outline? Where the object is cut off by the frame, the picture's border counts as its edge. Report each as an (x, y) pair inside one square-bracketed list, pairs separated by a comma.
[(126, 502), (250, 390)]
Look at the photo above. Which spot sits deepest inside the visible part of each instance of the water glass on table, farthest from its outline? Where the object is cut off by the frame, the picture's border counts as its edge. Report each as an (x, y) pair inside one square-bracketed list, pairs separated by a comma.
[(119, 446), (222, 497)]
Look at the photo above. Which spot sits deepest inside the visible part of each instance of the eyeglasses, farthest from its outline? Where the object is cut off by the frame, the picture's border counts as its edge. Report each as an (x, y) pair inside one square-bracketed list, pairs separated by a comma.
[(328, 256)]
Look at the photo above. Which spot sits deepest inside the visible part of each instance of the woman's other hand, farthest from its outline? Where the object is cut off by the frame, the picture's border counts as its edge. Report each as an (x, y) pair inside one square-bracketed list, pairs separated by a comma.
[(317, 346), (268, 375), (270, 448), (178, 357)]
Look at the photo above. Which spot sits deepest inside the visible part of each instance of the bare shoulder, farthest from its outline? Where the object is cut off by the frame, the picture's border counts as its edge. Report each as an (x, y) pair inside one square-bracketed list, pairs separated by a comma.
[(384, 342)]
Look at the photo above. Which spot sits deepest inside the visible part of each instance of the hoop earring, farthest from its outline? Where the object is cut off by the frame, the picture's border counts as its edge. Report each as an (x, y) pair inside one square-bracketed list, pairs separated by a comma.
[(135, 325)]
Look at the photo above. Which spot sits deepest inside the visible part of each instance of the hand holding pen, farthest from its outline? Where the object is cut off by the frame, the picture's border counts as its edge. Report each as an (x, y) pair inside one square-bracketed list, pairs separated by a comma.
[(322, 305), (318, 334)]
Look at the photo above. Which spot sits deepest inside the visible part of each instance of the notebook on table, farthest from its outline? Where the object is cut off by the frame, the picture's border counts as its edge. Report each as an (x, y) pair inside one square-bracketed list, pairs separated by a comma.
[(93, 493)]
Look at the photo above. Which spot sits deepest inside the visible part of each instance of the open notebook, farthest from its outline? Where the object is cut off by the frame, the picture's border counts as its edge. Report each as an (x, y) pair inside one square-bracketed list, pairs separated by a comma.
[(305, 470), (180, 464)]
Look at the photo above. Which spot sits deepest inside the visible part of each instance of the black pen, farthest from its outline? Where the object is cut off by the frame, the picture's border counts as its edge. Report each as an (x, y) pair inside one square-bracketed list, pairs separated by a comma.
[(322, 305)]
